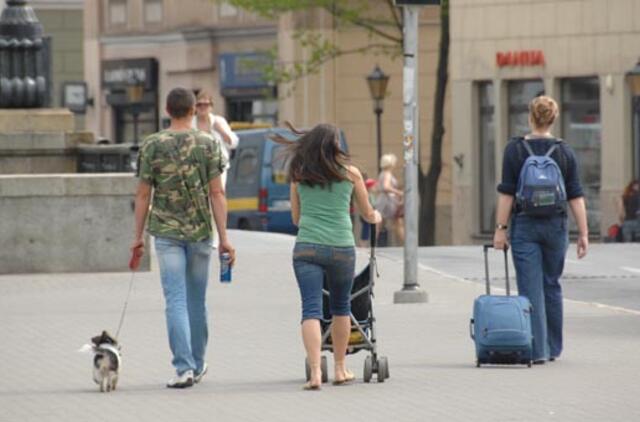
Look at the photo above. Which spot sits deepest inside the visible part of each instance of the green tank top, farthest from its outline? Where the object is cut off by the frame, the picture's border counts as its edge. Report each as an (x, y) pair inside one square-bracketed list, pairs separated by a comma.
[(324, 214)]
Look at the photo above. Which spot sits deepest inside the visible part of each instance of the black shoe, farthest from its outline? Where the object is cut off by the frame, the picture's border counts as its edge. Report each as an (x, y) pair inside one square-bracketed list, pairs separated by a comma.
[(552, 359), (539, 362)]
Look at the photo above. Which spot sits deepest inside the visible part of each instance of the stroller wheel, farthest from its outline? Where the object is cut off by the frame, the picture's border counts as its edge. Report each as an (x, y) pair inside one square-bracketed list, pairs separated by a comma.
[(324, 369), (383, 369), (307, 370), (368, 369)]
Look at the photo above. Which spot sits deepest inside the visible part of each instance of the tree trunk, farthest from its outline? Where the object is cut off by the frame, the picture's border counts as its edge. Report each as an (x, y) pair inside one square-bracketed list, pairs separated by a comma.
[(428, 183)]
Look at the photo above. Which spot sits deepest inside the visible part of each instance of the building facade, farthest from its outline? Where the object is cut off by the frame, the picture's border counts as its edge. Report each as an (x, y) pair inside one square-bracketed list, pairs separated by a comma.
[(506, 52), (203, 44), (62, 21)]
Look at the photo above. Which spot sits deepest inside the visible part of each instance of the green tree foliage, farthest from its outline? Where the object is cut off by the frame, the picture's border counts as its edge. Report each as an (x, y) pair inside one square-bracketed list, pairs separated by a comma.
[(382, 21)]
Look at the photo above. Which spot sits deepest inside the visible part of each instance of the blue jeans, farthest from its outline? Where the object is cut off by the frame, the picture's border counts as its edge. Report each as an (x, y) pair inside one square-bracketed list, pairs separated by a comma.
[(310, 263), (539, 246), (184, 271)]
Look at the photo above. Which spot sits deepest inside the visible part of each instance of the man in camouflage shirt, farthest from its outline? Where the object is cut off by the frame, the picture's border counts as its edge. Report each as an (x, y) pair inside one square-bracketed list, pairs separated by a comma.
[(182, 167)]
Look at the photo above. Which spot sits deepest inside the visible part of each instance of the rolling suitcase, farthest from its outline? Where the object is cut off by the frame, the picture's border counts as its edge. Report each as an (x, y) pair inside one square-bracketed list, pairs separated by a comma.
[(501, 325)]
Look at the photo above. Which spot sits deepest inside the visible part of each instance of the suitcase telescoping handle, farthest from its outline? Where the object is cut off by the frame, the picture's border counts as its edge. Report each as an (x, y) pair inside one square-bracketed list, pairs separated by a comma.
[(486, 268)]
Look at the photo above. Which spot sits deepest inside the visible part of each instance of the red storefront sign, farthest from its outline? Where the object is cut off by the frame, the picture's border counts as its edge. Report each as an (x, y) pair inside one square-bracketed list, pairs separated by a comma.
[(520, 58)]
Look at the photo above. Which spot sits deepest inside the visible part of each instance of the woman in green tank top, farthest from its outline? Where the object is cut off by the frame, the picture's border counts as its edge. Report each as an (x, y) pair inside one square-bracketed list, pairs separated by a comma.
[(322, 184)]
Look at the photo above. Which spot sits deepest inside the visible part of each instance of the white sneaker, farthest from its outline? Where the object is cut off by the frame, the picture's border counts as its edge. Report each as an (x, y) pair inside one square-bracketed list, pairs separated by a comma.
[(201, 375), (181, 381)]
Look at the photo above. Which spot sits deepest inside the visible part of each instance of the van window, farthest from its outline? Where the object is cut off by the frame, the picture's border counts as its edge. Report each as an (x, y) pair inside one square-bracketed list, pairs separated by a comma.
[(279, 165), (247, 171)]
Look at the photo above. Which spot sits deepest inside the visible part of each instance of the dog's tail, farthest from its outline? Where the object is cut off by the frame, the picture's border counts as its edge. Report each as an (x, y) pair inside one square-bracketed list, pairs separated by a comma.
[(87, 348)]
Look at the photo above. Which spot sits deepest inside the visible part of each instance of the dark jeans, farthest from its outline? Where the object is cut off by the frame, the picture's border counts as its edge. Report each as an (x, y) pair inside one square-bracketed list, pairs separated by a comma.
[(539, 246), (311, 262)]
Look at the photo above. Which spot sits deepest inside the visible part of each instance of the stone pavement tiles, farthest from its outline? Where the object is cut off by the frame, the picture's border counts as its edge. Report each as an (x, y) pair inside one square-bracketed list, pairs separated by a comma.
[(257, 361)]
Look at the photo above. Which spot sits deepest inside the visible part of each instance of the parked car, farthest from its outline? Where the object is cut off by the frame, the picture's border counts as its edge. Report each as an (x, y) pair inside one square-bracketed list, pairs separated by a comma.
[(257, 189)]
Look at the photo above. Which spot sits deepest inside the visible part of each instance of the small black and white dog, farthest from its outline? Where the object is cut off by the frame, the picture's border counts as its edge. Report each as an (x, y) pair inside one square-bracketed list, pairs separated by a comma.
[(106, 361)]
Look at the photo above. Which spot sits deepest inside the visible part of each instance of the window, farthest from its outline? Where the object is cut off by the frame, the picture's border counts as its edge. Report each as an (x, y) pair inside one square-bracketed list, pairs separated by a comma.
[(117, 12), (153, 11), (254, 110), (582, 129), (636, 138), (487, 157), (520, 94), (279, 165), (247, 166)]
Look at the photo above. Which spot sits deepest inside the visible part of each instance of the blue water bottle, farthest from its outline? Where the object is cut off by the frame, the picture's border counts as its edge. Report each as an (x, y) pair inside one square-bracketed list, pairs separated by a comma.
[(225, 268)]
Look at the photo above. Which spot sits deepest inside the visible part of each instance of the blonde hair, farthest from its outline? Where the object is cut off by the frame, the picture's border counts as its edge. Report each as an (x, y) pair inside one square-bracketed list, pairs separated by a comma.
[(204, 95), (543, 111), (387, 161)]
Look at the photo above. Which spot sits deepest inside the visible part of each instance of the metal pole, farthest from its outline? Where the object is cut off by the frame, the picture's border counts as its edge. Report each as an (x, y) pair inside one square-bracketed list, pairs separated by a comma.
[(378, 111), (135, 125), (411, 291)]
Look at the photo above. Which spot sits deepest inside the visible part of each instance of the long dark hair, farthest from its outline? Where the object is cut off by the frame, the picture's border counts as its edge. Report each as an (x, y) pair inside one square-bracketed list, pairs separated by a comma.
[(315, 158)]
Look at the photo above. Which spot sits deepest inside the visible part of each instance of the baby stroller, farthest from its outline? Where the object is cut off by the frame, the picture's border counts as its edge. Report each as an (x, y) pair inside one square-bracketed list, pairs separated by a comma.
[(363, 334)]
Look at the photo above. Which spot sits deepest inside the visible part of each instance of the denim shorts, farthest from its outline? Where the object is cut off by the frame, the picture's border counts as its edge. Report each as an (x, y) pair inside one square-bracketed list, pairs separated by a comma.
[(311, 262)]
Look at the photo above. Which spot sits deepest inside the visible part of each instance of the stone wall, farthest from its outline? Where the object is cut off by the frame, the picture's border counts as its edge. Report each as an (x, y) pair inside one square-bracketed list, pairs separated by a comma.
[(39, 141), (66, 223)]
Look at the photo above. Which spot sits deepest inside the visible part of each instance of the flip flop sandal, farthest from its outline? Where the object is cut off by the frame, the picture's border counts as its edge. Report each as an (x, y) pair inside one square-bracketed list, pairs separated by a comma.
[(350, 377), (311, 387)]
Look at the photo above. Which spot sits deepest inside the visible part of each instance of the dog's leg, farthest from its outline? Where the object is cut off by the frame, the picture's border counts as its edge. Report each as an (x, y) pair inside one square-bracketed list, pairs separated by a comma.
[(104, 384), (114, 380)]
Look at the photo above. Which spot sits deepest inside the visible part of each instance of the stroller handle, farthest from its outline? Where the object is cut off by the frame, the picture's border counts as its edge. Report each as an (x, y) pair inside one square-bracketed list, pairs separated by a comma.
[(373, 235)]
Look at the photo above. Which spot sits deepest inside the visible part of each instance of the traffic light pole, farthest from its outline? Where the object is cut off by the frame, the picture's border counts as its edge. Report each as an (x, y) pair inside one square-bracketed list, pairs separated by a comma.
[(411, 291)]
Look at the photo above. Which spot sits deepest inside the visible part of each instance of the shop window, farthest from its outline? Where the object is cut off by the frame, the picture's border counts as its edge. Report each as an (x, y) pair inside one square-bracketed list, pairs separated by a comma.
[(117, 12), (636, 138), (582, 129), (487, 156), (253, 110), (153, 11), (134, 125), (520, 94)]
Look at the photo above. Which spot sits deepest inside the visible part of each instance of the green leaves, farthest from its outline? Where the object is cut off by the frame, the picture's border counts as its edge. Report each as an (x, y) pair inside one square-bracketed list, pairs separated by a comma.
[(379, 18)]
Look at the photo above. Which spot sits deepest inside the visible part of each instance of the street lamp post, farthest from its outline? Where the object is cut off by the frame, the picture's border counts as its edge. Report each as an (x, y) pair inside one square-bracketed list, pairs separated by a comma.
[(633, 77), (411, 291), (377, 82)]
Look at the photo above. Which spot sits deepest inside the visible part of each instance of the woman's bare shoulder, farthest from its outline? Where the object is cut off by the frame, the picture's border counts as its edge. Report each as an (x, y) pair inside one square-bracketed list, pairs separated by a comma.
[(353, 172)]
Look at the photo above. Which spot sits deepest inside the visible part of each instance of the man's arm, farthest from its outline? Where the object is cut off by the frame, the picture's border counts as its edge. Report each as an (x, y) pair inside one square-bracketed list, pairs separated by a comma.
[(219, 207), (143, 199)]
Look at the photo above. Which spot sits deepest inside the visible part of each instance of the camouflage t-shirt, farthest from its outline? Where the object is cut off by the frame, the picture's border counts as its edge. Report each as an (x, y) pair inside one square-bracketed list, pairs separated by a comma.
[(179, 166)]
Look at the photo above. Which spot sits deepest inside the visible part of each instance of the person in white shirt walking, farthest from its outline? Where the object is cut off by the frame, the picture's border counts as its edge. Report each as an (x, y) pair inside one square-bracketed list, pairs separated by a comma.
[(217, 126)]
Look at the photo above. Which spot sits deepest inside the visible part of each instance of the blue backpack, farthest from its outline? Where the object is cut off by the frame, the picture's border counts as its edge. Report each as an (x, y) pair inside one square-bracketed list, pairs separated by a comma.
[(541, 190)]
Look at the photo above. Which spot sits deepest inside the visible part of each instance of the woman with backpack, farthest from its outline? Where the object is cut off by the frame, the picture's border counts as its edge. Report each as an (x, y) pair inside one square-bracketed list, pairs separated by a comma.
[(322, 183), (539, 183)]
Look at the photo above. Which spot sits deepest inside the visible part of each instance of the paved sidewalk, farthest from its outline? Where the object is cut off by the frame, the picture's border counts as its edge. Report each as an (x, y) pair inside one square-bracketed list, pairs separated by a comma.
[(257, 361)]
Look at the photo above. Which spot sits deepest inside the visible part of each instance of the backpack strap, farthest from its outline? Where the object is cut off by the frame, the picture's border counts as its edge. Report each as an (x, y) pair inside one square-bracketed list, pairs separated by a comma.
[(552, 149), (527, 146)]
